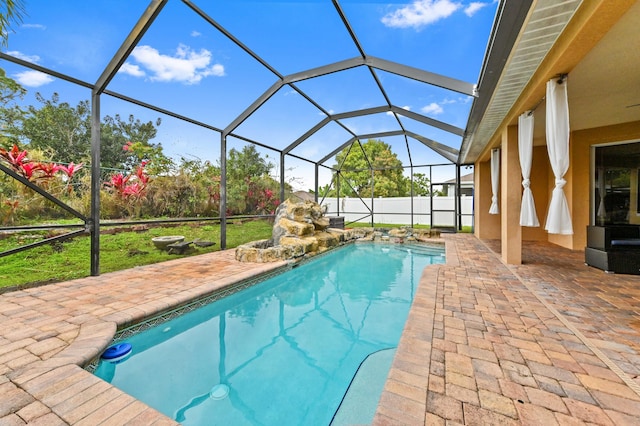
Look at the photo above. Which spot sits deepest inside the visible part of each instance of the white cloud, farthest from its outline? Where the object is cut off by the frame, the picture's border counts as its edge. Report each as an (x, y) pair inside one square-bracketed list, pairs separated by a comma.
[(34, 26), (195, 33), (34, 59), (406, 108), (474, 7), (131, 69), (185, 66), (420, 13), (432, 108), (33, 78)]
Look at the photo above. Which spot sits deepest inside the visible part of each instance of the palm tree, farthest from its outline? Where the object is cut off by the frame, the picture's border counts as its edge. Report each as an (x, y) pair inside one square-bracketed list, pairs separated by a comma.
[(11, 12)]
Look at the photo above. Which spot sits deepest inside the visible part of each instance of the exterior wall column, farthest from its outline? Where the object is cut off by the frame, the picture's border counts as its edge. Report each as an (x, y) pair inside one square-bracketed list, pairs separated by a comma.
[(510, 197), (486, 226)]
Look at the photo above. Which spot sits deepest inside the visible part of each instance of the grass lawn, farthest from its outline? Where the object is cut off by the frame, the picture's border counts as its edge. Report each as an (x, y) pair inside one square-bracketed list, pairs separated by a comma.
[(71, 259)]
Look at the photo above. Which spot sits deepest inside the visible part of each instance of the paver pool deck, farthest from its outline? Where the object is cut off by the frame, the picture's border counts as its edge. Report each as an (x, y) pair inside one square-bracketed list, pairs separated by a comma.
[(548, 342)]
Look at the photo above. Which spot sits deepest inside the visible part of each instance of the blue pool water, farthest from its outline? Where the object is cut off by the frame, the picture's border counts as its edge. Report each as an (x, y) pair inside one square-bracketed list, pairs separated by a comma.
[(282, 352)]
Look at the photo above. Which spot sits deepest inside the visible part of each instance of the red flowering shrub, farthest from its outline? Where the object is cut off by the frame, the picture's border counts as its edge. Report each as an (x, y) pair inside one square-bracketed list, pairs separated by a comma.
[(129, 190), (53, 177), (20, 162)]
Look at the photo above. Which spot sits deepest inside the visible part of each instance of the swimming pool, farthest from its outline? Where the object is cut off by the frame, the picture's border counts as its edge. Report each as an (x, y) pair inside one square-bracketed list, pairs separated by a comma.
[(283, 351)]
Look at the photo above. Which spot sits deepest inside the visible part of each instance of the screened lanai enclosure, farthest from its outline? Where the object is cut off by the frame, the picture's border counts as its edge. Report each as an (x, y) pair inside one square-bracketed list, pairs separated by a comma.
[(307, 85)]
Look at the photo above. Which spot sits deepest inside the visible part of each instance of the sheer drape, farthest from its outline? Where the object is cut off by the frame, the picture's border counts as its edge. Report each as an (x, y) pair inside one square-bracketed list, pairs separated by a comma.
[(528, 216), (495, 180), (558, 216)]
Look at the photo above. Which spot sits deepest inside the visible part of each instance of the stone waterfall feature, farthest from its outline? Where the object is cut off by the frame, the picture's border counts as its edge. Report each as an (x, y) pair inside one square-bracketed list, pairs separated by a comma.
[(302, 229), (299, 229)]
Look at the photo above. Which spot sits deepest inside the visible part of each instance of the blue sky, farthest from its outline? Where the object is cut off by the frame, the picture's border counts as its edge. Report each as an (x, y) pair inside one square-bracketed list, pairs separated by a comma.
[(184, 65)]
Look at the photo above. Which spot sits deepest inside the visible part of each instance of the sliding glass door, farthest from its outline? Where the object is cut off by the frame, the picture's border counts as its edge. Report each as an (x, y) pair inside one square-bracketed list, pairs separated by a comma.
[(615, 199)]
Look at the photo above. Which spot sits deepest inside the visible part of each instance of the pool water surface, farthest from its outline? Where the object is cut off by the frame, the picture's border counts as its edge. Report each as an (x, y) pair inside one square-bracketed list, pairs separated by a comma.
[(282, 352)]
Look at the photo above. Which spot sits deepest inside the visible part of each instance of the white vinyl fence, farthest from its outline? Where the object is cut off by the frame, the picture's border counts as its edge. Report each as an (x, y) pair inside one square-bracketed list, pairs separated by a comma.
[(398, 210)]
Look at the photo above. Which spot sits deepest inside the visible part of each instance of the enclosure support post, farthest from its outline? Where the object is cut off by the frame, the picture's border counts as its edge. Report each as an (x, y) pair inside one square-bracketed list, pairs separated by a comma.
[(94, 222), (457, 199), (430, 197), (281, 177), (411, 196), (315, 188), (338, 192), (223, 191), (373, 185)]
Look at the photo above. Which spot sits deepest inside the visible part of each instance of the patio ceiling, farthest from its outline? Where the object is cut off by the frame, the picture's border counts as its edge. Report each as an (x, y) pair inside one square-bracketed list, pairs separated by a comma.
[(603, 79), (344, 53)]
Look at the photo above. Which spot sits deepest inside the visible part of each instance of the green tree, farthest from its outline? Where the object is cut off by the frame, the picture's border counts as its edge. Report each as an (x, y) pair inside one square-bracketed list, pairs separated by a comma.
[(10, 90), (250, 188), (243, 169), (194, 189), (64, 132), (421, 184), (246, 163), (112, 152), (324, 191), (124, 144), (58, 128), (355, 173), (10, 112)]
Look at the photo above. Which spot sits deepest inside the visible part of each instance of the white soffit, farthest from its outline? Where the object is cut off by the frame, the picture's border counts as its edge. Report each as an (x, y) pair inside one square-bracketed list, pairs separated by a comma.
[(546, 22)]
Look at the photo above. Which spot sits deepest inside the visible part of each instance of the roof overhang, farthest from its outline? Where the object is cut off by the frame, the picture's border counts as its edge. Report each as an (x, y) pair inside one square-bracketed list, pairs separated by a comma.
[(522, 39)]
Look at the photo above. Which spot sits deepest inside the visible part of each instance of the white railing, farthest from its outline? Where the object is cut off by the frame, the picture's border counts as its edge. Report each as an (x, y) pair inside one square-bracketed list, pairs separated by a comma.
[(398, 210)]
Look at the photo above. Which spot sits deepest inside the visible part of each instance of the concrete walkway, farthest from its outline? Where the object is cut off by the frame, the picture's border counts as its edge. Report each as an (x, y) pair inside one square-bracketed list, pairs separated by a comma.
[(549, 342)]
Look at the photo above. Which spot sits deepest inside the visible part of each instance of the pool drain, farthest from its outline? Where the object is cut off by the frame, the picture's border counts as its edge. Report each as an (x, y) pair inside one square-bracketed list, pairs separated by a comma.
[(219, 391)]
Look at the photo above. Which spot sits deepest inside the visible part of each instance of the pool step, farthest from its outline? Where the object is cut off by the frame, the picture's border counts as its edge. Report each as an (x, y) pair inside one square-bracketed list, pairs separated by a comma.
[(361, 399)]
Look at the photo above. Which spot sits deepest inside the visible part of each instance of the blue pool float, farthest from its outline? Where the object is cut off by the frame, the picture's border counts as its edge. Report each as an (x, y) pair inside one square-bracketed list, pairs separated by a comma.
[(117, 352)]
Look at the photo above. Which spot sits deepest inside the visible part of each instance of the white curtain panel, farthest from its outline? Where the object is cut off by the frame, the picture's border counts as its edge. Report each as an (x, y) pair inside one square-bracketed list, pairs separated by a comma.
[(495, 180), (528, 216), (558, 216)]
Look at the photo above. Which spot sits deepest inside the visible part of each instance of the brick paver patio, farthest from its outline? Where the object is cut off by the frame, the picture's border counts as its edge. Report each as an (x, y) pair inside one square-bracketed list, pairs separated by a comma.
[(549, 342)]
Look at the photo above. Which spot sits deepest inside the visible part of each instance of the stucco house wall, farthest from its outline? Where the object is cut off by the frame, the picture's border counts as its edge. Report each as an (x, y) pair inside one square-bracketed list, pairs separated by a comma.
[(575, 49)]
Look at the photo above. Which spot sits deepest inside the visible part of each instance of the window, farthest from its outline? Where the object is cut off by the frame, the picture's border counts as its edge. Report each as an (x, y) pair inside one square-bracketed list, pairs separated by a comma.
[(615, 183)]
